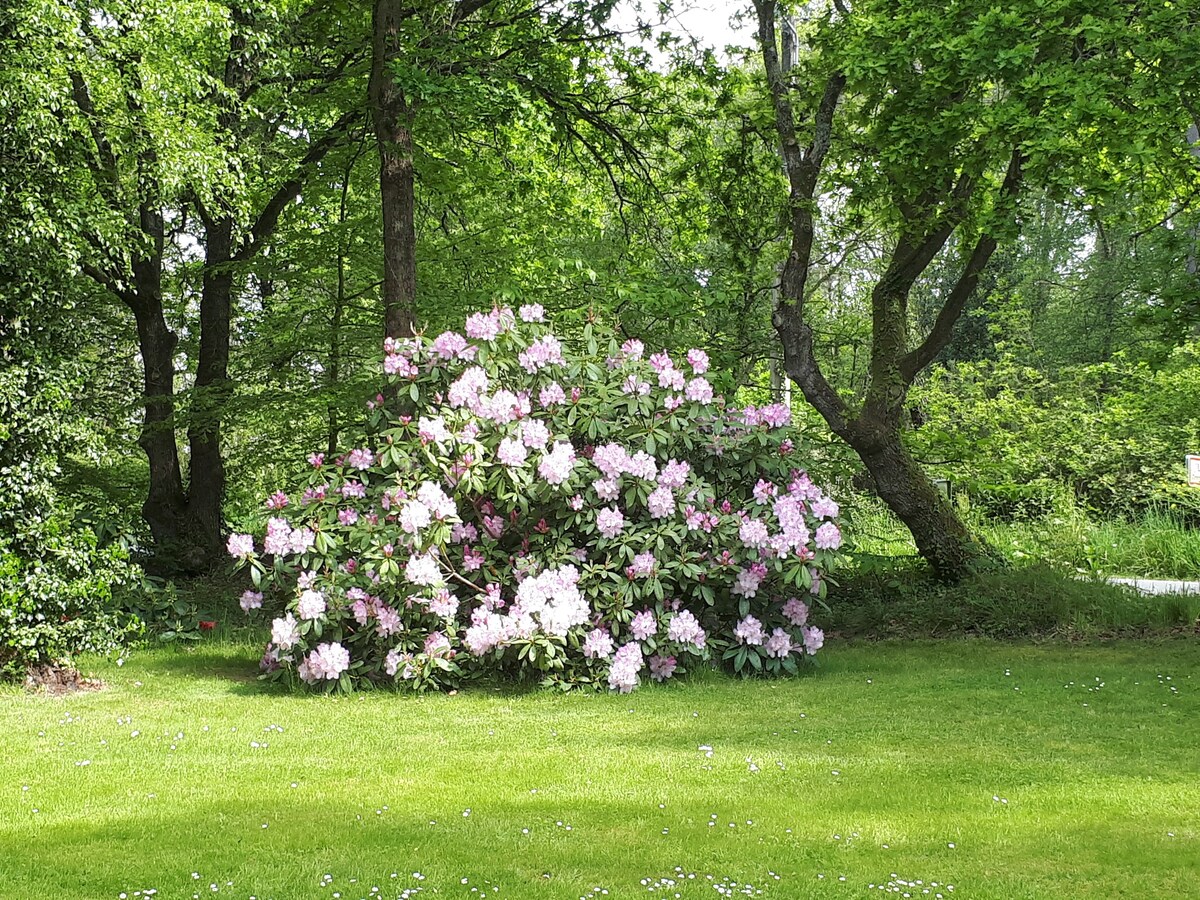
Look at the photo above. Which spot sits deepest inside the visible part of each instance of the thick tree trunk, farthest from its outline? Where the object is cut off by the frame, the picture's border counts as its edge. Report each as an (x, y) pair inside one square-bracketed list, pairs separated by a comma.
[(941, 537), (392, 117), (206, 474), (165, 506)]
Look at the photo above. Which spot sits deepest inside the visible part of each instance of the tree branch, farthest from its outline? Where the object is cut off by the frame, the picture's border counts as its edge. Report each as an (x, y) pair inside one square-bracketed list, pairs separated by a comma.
[(803, 168), (264, 226), (952, 309)]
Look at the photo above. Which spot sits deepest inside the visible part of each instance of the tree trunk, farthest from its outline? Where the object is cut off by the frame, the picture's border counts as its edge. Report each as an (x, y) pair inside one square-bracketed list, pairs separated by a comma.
[(392, 117), (165, 507), (206, 474), (941, 537)]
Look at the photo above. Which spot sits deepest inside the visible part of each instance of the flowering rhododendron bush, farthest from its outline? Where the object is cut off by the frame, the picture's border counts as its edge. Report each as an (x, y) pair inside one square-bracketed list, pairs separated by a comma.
[(592, 516)]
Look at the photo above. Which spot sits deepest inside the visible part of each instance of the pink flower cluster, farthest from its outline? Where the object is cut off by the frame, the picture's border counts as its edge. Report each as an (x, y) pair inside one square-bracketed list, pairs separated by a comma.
[(327, 661), (471, 501)]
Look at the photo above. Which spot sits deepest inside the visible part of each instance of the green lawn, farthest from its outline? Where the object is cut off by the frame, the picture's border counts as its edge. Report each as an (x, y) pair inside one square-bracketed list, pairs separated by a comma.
[(1004, 770)]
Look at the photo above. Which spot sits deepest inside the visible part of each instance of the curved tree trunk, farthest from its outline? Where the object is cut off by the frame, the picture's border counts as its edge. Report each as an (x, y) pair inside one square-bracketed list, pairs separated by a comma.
[(940, 535)]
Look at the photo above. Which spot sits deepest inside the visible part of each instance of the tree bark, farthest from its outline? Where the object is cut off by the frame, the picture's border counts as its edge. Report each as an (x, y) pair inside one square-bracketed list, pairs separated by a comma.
[(941, 537), (165, 506), (392, 117), (873, 431), (210, 394)]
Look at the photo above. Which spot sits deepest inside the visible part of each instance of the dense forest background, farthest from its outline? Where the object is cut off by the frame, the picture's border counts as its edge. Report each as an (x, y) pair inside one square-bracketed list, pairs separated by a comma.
[(976, 228)]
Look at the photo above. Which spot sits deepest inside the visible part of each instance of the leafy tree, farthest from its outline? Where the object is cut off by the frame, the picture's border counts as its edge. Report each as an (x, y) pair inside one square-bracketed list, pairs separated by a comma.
[(927, 123)]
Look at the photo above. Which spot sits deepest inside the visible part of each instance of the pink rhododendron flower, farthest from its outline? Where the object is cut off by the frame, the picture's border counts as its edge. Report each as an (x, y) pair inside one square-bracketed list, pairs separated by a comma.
[(328, 661), (672, 402), (779, 644), (598, 644), (512, 452), (347, 516), (398, 663), (388, 622), (698, 360), (606, 488), (300, 541), (674, 474), (634, 385), (661, 503), (642, 465), (285, 632), (360, 458), (554, 600), (661, 361), (277, 500), (311, 605), (414, 516), (671, 379), (753, 533), (472, 559), (467, 388), (796, 612), (464, 533), (316, 460), (423, 570), (684, 629), (533, 312), (240, 545), (828, 537), (627, 662), (449, 345), (644, 625), (251, 600), (433, 430), (662, 667), (633, 349), (443, 603), (436, 644), (534, 434), (394, 364), (824, 508), (557, 465), (551, 395), (746, 583), (699, 390), (576, 503), (483, 326), (643, 564), (354, 489), (440, 506), (491, 597), (764, 491), (814, 640), (610, 521), (545, 351), (749, 631)]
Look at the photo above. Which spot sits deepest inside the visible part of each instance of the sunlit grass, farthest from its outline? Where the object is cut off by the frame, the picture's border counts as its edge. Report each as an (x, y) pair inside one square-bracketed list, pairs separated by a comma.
[(1157, 545), (1004, 770)]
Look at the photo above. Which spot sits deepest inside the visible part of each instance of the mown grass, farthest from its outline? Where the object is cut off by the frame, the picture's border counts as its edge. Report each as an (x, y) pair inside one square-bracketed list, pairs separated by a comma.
[(1005, 770)]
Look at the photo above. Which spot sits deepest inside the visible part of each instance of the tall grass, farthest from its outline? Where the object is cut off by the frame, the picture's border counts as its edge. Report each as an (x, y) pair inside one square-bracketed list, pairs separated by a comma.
[(1157, 545)]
